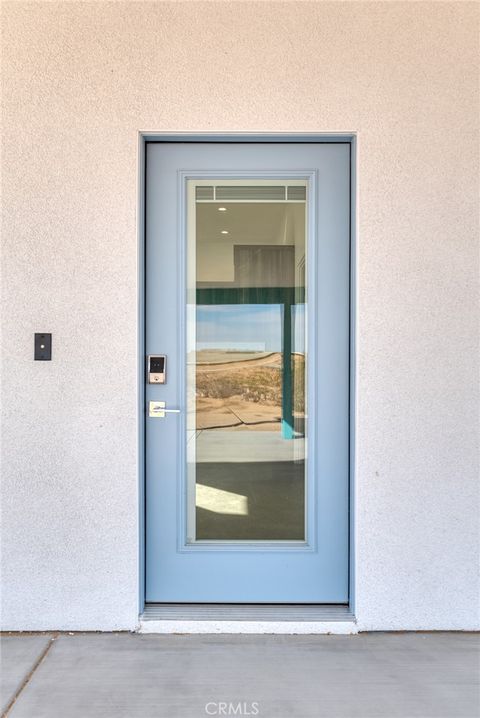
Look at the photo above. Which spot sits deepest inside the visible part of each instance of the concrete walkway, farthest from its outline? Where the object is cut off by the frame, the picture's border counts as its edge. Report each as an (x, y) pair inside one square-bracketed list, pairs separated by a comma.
[(376, 675)]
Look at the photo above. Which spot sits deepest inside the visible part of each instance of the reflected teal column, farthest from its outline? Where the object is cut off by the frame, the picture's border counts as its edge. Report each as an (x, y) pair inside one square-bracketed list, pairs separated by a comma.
[(287, 403)]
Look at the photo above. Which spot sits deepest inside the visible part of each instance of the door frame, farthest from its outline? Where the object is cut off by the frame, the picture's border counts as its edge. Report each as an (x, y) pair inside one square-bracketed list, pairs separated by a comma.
[(145, 137)]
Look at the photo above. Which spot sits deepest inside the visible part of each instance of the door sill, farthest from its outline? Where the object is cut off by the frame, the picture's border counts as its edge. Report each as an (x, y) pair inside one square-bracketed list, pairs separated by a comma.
[(247, 618)]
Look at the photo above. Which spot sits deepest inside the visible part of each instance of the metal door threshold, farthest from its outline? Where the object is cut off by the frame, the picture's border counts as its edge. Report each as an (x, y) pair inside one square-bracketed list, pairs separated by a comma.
[(246, 618)]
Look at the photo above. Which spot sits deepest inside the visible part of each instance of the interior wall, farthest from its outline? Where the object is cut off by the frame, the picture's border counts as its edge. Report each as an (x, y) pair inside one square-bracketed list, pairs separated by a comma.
[(80, 79), (248, 223)]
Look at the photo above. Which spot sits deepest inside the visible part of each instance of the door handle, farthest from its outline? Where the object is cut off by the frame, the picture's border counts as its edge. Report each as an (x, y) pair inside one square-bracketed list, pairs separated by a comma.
[(158, 410)]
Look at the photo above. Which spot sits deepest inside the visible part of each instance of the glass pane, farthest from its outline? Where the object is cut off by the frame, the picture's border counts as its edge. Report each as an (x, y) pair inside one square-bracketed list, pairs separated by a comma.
[(246, 362)]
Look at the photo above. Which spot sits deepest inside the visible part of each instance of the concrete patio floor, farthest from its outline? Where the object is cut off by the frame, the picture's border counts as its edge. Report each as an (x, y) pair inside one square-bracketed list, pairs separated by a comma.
[(122, 675)]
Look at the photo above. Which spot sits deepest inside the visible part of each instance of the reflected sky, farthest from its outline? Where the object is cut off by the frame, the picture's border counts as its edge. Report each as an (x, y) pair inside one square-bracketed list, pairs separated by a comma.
[(254, 327)]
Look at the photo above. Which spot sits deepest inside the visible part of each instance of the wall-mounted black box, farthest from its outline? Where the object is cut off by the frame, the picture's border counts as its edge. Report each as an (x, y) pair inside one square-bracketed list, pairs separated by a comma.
[(43, 347)]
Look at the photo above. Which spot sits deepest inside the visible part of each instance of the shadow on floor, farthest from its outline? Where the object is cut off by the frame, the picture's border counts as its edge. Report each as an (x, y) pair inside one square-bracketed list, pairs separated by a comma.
[(270, 505)]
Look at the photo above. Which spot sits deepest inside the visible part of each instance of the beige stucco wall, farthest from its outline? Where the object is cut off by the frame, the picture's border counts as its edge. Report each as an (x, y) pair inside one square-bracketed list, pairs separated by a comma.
[(79, 81)]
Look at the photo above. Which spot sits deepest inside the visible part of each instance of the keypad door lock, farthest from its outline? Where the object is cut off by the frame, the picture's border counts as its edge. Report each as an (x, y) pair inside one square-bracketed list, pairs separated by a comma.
[(156, 368)]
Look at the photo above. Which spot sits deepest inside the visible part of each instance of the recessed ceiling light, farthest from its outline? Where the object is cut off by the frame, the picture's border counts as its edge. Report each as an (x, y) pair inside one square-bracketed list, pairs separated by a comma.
[(222, 209), (224, 231)]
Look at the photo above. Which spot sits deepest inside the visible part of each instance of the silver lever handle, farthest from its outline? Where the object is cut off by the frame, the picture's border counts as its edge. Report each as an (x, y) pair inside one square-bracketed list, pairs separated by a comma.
[(157, 409)]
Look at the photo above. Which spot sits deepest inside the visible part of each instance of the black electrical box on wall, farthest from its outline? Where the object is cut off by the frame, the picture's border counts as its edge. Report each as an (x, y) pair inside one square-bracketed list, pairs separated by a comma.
[(43, 347)]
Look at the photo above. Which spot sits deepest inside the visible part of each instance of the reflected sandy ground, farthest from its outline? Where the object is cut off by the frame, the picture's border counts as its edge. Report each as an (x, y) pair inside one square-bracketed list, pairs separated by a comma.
[(244, 390)]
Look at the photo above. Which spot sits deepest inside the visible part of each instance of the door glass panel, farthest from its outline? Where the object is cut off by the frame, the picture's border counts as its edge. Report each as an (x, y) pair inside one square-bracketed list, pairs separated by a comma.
[(246, 360)]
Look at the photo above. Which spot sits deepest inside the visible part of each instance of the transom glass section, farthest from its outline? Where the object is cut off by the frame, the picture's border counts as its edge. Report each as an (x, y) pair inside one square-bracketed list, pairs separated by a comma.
[(246, 360)]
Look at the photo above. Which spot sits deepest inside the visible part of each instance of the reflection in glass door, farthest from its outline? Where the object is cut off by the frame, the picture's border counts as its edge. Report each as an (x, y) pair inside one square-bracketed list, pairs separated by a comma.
[(246, 360)]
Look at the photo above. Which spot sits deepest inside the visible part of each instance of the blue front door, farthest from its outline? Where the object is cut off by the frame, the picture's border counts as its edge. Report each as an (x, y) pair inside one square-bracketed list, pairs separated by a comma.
[(247, 404)]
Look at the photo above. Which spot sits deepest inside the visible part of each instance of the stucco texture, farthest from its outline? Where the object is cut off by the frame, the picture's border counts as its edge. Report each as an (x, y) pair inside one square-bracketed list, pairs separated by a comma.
[(80, 80)]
